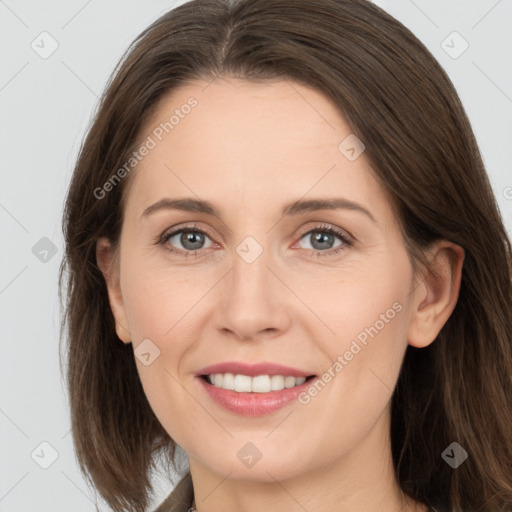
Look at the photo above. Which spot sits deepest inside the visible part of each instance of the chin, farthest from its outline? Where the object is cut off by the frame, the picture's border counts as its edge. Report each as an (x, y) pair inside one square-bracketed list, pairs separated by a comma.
[(248, 464)]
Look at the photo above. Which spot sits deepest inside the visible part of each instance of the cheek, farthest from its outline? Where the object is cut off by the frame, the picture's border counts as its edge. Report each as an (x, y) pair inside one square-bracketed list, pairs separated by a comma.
[(158, 301), (368, 315), (364, 305), (157, 311), (161, 307), (363, 361)]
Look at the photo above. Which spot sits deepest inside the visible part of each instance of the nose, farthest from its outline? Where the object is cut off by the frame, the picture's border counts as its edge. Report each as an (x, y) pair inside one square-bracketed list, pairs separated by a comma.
[(253, 302)]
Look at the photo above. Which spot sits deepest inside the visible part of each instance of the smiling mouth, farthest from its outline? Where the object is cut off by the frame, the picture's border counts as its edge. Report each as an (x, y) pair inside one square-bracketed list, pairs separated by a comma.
[(257, 384)]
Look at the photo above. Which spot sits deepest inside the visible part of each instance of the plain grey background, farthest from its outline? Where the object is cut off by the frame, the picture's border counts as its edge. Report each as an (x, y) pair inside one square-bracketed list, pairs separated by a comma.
[(56, 58)]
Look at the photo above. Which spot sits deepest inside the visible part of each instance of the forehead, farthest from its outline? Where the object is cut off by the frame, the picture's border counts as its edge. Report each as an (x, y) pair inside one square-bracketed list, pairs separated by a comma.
[(236, 140), (239, 115)]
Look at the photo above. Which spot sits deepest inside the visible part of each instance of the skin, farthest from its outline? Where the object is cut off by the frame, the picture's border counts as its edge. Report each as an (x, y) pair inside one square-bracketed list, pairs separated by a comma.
[(250, 149)]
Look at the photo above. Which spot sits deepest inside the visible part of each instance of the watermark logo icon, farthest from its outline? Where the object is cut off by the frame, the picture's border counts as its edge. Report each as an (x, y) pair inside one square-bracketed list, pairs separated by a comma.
[(249, 249), (454, 45), (147, 352), (351, 147), (44, 455), (44, 45), (44, 250), (249, 454), (454, 455)]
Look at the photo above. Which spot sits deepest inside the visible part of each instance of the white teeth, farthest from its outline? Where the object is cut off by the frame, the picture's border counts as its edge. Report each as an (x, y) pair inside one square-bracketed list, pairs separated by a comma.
[(229, 381), (258, 384), (289, 382), (277, 382), (242, 383)]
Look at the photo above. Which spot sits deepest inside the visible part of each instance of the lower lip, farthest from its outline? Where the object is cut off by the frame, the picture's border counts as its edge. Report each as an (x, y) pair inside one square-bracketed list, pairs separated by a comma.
[(253, 404)]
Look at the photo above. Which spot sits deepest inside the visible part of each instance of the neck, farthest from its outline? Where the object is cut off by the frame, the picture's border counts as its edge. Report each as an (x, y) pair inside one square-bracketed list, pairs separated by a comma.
[(362, 479)]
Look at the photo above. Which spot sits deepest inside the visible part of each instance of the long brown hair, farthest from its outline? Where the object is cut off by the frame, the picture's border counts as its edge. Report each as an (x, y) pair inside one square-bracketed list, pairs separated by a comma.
[(402, 105)]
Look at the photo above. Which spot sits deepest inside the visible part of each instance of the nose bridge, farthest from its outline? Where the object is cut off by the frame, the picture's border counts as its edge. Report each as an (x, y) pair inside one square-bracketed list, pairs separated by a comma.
[(250, 274), (252, 298)]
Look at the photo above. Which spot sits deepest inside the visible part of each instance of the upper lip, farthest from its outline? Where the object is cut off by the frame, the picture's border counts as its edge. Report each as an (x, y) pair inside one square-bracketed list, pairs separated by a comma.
[(252, 370)]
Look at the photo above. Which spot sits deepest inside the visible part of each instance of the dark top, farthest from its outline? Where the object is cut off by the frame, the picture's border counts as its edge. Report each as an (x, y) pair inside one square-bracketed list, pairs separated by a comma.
[(182, 497)]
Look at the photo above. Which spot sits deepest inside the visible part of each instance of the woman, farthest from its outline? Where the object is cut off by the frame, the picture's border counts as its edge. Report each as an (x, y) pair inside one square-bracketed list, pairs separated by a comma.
[(284, 256)]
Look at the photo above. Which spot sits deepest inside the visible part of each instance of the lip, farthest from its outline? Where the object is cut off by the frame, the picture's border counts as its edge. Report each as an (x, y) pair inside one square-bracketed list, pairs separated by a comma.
[(252, 370), (253, 404)]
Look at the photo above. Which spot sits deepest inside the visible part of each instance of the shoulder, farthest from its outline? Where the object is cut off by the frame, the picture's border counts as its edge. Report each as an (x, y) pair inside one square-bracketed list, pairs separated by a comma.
[(180, 499)]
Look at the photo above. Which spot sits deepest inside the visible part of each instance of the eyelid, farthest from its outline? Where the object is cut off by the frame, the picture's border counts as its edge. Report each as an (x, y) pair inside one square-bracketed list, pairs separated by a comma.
[(176, 230), (343, 233), (193, 227), (346, 238)]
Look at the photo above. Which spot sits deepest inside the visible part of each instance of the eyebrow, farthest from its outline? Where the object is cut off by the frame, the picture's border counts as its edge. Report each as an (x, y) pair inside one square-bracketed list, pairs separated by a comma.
[(292, 209)]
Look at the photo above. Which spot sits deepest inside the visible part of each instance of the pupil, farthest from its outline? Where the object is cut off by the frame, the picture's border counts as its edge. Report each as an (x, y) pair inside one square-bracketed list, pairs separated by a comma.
[(321, 238), (191, 240)]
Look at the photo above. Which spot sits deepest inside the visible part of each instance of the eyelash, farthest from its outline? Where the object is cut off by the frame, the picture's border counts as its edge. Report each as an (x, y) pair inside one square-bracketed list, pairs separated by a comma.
[(346, 242)]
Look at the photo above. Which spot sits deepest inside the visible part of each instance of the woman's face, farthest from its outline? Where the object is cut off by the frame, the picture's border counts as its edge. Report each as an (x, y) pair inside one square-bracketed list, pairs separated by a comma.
[(274, 278)]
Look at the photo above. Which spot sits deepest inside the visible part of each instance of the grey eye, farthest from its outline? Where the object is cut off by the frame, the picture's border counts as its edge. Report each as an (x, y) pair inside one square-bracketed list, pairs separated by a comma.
[(321, 240), (190, 240)]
